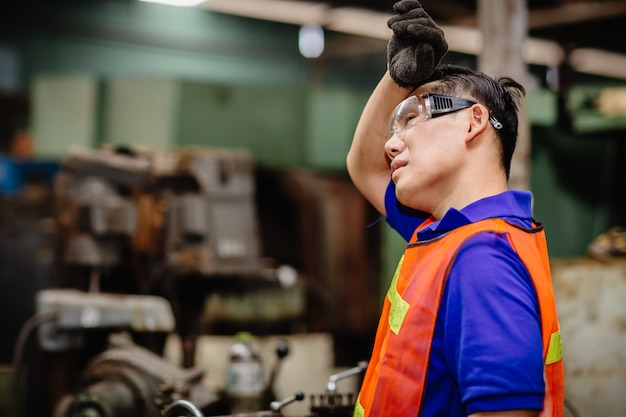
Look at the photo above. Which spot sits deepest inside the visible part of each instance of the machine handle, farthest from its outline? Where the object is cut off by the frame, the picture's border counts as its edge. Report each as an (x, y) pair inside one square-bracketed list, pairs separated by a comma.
[(331, 386), (277, 405)]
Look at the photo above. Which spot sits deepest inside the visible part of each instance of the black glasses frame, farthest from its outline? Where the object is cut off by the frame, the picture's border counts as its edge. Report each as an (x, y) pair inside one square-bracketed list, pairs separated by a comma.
[(440, 104)]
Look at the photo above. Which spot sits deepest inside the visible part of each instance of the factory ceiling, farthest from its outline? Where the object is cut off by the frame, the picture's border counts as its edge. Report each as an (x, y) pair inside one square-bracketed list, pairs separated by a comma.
[(599, 24), (593, 29), (590, 31)]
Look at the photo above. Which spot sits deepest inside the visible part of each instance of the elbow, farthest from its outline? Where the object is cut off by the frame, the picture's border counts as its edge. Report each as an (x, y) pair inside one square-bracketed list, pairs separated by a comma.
[(349, 163), (352, 165)]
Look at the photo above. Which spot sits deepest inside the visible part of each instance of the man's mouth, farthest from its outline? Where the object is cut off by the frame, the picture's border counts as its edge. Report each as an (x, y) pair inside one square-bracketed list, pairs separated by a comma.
[(396, 165)]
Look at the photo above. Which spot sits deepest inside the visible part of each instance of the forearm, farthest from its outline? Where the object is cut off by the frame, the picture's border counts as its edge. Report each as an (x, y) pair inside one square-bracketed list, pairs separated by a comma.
[(366, 161)]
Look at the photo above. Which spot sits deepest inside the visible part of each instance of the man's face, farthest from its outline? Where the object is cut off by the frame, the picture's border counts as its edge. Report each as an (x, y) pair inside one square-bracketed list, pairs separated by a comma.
[(427, 155)]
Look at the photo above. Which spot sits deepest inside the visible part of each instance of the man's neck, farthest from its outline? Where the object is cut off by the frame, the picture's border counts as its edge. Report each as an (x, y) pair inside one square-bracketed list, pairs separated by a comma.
[(470, 191)]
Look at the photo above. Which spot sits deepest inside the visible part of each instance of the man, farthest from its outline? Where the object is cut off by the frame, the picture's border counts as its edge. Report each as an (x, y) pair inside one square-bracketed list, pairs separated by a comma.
[(469, 324)]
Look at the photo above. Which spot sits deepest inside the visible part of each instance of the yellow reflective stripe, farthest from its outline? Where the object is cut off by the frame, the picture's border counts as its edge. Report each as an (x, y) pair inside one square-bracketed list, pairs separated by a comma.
[(398, 307), (398, 311), (555, 348), (358, 409), (395, 278)]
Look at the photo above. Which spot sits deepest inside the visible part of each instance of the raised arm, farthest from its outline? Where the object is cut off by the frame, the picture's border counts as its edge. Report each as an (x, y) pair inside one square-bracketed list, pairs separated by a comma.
[(414, 50), (367, 162)]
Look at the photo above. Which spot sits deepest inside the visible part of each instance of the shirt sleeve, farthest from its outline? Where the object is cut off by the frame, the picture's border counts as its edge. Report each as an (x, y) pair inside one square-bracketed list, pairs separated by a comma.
[(492, 336), (402, 219)]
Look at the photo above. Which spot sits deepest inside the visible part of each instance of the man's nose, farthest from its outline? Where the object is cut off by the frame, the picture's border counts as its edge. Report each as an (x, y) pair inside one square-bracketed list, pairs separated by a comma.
[(394, 145)]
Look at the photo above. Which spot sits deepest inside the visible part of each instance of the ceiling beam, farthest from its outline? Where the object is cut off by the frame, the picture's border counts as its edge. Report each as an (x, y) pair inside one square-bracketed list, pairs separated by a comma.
[(577, 12), (371, 24), (598, 62), (360, 22), (567, 14)]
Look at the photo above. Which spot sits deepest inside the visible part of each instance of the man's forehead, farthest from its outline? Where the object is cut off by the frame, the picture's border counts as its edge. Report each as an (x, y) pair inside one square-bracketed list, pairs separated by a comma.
[(425, 88)]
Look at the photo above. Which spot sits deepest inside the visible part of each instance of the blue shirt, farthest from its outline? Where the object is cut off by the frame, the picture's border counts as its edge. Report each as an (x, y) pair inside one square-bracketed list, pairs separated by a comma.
[(486, 353)]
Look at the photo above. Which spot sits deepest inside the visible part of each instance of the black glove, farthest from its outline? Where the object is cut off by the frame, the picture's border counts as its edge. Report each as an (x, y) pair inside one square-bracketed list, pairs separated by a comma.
[(416, 46)]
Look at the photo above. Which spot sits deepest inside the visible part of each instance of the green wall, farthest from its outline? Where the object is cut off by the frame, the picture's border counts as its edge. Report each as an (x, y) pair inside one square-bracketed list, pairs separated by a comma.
[(268, 121), (577, 181), (282, 126), (113, 38)]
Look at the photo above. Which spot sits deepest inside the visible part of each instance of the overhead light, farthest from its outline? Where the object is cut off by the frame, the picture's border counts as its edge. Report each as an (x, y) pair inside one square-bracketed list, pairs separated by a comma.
[(178, 3), (311, 41)]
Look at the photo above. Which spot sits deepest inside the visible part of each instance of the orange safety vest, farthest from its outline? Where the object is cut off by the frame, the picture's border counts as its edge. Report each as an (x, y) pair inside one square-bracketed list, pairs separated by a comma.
[(395, 378)]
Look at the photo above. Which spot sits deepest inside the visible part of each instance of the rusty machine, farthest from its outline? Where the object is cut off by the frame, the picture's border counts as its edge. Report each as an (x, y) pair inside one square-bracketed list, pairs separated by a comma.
[(178, 224), (143, 236), (128, 381)]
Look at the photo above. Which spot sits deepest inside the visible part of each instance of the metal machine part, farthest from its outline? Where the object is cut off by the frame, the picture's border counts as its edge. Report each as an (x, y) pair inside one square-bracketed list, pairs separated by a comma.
[(331, 386), (130, 381), (196, 210), (145, 219), (333, 403), (277, 405), (178, 223), (187, 406), (78, 312), (329, 404)]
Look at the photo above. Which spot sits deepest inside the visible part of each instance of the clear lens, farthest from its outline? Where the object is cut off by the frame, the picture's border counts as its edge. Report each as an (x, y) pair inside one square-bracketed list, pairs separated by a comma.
[(409, 112), (416, 109)]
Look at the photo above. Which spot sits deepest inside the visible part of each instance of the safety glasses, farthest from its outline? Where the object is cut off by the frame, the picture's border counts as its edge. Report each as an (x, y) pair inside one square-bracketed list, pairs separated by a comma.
[(417, 109)]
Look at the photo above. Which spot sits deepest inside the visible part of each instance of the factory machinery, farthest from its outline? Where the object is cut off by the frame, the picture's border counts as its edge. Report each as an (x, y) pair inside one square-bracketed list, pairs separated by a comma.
[(142, 238), (330, 403), (180, 224), (129, 381)]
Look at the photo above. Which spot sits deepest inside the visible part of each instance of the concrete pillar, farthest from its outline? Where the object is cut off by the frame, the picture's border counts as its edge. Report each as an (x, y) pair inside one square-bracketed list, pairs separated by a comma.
[(504, 27)]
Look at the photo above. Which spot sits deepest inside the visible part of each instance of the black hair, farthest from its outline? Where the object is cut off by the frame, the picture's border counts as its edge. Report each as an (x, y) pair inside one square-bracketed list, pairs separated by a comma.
[(501, 96)]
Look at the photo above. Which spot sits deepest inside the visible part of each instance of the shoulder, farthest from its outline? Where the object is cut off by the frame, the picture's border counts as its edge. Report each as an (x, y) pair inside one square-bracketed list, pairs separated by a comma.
[(487, 273), (492, 326)]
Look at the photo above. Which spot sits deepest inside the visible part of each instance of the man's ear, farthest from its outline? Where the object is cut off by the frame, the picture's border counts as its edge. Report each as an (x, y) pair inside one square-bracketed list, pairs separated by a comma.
[(478, 120)]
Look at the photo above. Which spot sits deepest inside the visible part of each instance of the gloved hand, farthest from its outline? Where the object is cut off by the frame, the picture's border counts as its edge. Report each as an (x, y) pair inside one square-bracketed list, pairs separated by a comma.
[(416, 46)]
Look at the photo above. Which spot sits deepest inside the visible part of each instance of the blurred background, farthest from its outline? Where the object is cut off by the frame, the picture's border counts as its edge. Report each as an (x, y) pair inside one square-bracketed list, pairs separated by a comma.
[(173, 187)]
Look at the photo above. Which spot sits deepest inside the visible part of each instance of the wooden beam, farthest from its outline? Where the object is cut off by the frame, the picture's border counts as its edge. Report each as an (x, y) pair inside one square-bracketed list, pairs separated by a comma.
[(575, 13), (567, 14), (462, 38)]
